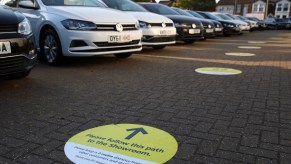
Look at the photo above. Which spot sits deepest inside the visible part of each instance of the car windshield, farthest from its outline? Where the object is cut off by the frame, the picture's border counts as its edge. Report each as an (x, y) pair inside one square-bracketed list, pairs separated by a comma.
[(224, 17), (195, 14), (124, 5), (212, 16), (242, 18), (86, 3), (253, 18), (231, 16), (182, 12), (160, 9)]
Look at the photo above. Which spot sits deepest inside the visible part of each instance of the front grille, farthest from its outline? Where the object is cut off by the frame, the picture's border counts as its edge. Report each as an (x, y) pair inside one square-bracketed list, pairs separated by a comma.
[(108, 49), (12, 65), (106, 44), (160, 39), (160, 24), (8, 28), (112, 27)]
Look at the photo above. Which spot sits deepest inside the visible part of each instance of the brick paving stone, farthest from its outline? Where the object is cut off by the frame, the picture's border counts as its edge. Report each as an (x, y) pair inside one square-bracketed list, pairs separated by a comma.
[(230, 144), (285, 158), (46, 148), (239, 122), (270, 137), (20, 151), (6, 161), (208, 147), (238, 157), (186, 151), (58, 156), (250, 140), (12, 142), (258, 152), (34, 159), (203, 127), (261, 160)]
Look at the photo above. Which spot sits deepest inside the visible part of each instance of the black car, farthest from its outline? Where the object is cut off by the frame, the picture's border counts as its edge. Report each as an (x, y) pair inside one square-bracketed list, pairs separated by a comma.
[(229, 27), (17, 52), (208, 25), (188, 29), (218, 28), (275, 23)]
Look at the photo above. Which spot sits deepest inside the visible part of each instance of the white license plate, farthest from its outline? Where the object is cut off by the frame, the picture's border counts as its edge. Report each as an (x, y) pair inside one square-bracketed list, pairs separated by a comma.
[(194, 31), (5, 48), (165, 32), (209, 30), (218, 29), (119, 38)]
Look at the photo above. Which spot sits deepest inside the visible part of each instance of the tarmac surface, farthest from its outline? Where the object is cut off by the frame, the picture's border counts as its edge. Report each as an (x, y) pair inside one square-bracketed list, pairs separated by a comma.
[(243, 118)]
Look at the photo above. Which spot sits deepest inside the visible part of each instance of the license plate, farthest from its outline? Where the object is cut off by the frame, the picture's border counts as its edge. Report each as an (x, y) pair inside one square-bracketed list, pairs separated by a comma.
[(5, 48), (209, 30), (194, 31), (218, 29), (163, 32), (119, 38)]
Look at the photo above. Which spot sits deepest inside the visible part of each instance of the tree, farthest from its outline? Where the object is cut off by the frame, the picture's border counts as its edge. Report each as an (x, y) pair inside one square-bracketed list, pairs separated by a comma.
[(202, 5)]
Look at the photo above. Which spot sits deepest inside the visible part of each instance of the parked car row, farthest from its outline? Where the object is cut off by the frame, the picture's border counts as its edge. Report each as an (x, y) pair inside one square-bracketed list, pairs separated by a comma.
[(55, 29)]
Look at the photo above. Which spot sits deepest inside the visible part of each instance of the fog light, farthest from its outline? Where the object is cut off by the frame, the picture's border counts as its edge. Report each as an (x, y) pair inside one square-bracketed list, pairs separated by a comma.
[(185, 30), (31, 54)]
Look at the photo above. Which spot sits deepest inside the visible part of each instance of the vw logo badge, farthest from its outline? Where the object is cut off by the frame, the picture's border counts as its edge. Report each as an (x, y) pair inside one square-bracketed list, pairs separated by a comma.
[(119, 27), (164, 25), (194, 25), (209, 26)]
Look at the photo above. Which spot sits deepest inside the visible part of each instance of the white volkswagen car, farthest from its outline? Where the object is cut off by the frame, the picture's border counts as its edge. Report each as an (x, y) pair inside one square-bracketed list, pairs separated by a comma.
[(80, 28), (158, 31)]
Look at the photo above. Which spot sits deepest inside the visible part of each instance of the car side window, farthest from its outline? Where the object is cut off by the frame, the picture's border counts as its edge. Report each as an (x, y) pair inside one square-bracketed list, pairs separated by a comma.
[(10, 3)]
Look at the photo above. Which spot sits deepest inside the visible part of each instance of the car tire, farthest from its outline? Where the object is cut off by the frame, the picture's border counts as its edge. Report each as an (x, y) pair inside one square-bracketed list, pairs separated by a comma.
[(159, 47), (123, 55), (51, 48), (189, 41)]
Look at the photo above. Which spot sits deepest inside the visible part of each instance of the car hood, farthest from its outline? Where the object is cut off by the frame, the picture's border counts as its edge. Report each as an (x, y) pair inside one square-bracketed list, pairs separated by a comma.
[(228, 21), (93, 14), (9, 16), (205, 21), (239, 22), (149, 17), (183, 19)]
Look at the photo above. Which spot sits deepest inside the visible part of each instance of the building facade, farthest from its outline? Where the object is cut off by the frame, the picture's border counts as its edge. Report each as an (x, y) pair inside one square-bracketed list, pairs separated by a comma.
[(257, 8)]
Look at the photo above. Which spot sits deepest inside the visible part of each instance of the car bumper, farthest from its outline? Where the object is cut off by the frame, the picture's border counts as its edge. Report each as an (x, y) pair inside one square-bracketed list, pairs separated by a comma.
[(93, 43), (218, 31), (22, 57), (185, 34), (209, 33), (231, 31), (158, 36)]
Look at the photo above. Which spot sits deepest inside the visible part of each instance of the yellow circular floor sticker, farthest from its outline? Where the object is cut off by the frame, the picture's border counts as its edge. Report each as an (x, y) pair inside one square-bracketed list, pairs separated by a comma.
[(249, 47), (218, 71), (256, 42), (121, 144), (239, 54)]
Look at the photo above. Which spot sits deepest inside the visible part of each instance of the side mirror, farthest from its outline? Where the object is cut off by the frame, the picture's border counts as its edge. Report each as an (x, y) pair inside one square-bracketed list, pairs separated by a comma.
[(27, 4)]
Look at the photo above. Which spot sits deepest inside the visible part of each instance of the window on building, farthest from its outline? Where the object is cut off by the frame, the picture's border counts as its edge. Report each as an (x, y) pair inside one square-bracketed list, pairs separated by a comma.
[(255, 8), (221, 9), (286, 7), (238, 8), (259, 7), (279, 7)]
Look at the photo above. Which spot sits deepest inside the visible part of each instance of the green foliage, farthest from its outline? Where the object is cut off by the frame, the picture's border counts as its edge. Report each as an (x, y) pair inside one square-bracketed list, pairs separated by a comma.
[(202, 5)]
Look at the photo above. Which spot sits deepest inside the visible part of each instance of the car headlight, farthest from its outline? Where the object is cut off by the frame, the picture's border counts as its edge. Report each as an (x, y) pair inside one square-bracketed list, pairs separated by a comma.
[(24, 27), (144, 24), (72, 24)]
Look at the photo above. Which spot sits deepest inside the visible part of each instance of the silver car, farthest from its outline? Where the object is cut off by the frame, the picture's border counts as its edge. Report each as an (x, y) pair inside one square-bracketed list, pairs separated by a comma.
[(79, 28)]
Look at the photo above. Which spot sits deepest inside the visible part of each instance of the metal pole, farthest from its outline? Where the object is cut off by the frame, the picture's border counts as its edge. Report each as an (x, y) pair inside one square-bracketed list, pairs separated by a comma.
[(235, 5), (267, 9)]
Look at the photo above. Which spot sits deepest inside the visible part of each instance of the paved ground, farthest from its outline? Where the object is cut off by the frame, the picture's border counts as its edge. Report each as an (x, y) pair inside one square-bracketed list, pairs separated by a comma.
[(244, 118)]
